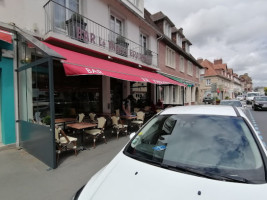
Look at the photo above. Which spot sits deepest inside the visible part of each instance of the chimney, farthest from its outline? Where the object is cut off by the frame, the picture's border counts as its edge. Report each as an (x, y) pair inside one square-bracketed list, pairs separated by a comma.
[(218, 61), (200, 60)]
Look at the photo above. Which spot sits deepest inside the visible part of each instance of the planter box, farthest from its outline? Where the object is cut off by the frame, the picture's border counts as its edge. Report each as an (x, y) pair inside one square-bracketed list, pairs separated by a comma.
[(121, 47), (77, 29)]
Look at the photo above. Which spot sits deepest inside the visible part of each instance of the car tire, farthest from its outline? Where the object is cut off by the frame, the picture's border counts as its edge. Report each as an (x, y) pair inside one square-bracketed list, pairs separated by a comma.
[(254, 108)]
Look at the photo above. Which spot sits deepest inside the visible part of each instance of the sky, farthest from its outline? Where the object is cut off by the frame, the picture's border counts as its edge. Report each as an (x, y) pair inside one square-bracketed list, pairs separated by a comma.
[(234, 30)]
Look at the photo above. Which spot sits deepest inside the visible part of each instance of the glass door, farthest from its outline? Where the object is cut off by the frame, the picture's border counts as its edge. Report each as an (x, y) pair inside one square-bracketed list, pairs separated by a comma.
[(63, 11)]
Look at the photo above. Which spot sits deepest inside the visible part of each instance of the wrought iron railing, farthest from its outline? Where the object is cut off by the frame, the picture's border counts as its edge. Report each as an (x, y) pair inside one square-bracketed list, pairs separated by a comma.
[(65, 21)]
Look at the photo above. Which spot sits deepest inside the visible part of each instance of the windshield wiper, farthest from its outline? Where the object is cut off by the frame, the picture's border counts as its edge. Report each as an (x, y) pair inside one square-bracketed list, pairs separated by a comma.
[(206, 174), (237, 179)]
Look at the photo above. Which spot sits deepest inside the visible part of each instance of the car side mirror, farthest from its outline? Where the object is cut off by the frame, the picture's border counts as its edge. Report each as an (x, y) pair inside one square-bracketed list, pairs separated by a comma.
[(132, 135)]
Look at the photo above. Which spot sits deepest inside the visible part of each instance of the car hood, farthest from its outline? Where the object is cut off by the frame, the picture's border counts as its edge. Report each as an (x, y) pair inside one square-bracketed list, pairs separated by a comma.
[(126, 178)]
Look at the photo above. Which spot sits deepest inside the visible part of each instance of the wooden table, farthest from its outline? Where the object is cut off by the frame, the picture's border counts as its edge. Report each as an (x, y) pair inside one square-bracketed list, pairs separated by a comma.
[(81, 126), (129, 117), (64, 120)]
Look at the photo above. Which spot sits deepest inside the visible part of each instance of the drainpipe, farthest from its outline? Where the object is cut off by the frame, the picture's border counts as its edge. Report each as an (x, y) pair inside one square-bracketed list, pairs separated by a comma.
[(183, 94), (158, 39), (15, 67)]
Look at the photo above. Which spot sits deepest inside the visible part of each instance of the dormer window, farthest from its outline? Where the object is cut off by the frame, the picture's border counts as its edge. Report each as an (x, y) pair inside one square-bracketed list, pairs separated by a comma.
[(135, 3), (187, 48), (167, 29), (179, 40)]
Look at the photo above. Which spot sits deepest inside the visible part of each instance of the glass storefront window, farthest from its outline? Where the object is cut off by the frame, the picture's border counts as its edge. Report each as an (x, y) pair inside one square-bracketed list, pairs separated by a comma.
[(33, 85), (34, 95)]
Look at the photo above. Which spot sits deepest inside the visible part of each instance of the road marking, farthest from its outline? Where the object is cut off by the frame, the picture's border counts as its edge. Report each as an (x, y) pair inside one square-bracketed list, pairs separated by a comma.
[(256, 128)]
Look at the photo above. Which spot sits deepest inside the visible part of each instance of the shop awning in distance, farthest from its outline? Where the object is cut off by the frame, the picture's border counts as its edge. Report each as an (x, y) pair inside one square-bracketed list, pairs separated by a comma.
[(5, 36), (178, 80), (81, 64)]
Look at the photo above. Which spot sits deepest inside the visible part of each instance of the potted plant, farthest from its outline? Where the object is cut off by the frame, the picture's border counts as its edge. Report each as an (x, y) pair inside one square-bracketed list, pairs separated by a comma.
[(148, 57), (75, 21), (47, 120), (121, 46), (217, 101)]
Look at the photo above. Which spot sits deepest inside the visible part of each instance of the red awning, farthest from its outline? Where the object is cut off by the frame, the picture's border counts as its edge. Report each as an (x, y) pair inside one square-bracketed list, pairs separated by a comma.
[(5, 36), (81, 64)]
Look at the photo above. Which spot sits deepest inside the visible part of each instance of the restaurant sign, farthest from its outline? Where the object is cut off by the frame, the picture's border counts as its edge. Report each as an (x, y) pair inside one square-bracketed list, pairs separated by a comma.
[(120, 48)]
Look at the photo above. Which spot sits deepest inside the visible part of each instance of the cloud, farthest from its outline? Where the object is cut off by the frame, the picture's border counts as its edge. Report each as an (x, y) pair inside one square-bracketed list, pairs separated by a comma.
[(234, 30)]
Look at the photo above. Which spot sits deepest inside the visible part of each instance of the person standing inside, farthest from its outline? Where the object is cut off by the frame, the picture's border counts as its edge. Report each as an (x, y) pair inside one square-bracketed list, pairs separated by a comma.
[(126, 107), (159, 104)]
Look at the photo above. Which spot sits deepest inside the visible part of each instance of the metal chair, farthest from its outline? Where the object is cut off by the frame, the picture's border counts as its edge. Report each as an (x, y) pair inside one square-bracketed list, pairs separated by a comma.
[(64, 142), (92, 117), (99, 131), (81, 117), (118, 126), (139, 119)]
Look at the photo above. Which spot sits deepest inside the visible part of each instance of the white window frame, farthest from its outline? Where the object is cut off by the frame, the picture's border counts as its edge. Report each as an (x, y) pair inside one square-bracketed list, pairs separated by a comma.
[(208, 81), (135, 2), (115, 31), (143, 39), (181, 67), (187, 48), (179, 40), (197, 73), (66, 14), (170, 57), (190, 68), (167, 29)]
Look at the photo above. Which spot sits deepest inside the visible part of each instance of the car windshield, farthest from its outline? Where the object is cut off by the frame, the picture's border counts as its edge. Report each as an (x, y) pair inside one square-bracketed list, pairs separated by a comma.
[(231, 103), (253, 94), (217, 144)]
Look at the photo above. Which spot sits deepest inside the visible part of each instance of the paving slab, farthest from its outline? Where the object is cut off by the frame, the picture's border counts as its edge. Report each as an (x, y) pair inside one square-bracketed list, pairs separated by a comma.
[(24, 177)]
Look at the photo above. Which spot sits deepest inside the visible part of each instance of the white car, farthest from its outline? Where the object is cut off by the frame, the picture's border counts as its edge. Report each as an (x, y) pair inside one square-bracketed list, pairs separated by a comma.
[(250, 96), (240, 97), (190, 152)]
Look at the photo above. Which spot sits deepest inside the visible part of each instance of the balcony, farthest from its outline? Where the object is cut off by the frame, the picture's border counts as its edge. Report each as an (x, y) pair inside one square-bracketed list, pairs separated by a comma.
[(63, 21)]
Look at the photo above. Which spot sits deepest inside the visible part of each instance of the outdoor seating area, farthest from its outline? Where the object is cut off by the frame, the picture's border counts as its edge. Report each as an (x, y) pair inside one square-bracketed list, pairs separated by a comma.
[(89, 130)]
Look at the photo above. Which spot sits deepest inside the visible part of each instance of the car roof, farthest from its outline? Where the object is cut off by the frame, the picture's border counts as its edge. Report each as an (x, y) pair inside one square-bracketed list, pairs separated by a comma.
[(202, 110)]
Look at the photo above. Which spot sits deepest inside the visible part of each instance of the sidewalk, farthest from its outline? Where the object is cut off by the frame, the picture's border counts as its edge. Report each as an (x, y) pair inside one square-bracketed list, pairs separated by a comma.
[(24, 177)]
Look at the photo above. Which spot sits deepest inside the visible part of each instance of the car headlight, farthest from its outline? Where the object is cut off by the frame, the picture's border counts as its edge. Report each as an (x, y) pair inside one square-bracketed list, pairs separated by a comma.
[(77, 194)]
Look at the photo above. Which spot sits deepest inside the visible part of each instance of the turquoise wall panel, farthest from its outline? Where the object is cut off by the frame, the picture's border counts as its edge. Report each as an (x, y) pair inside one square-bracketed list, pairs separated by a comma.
[(7, 90)]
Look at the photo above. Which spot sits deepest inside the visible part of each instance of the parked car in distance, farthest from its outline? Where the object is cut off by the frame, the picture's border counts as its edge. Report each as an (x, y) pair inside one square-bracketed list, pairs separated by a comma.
[(250, 96), (240, 97), (259, 103), (186, 152), (232, 102), (207, 100)]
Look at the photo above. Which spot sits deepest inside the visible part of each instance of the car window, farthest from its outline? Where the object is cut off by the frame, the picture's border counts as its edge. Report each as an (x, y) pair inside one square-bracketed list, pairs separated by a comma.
[(252, 94), (231, 103), (215, 143), (261, 98)]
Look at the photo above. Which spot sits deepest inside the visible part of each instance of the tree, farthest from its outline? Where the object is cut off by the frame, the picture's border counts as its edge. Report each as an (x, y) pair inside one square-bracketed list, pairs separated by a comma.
[(265, 90)]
